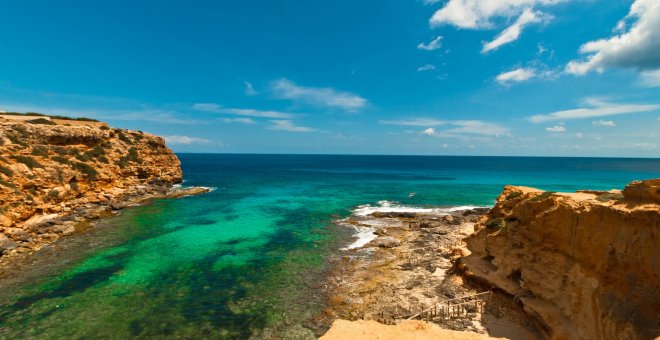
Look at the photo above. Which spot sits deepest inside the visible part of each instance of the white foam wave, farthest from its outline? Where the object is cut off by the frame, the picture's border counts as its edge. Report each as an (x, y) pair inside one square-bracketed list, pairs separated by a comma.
[(365, 232)]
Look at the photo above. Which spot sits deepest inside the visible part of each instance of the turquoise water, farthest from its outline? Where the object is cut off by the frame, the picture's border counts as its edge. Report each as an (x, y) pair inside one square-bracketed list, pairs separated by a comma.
[(247, 259)]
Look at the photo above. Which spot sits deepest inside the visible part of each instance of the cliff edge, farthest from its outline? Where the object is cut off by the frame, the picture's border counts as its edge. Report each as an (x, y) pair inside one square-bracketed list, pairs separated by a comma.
[(582, 265), (55, 175)]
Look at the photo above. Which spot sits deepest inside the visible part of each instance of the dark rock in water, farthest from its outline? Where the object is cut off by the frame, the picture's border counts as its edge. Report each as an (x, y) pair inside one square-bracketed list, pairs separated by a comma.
[(384, 242), (380, 214), (6, 243)]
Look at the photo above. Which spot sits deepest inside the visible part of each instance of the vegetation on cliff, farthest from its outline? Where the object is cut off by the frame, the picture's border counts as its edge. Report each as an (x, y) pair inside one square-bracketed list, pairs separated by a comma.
[(49, 171)]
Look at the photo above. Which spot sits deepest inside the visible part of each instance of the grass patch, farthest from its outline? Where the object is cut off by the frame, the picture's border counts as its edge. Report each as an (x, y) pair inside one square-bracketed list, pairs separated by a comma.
[(124, 138), (496, 223), (85, 169), (61, 160), (27, 160), (40, 150), (7, 184), (543, 196), (132, 156), (610, 196), (513, 195), (6, 171), (52, 195), (42, 121)]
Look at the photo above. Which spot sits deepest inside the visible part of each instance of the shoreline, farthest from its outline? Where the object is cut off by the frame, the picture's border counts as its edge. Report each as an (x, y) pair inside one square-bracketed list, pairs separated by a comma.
[(83, 217), (406, 267)]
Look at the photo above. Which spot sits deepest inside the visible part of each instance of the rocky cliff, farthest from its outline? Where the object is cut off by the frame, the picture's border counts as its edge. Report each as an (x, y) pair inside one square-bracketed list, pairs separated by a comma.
[(582, 265), (54, 175)]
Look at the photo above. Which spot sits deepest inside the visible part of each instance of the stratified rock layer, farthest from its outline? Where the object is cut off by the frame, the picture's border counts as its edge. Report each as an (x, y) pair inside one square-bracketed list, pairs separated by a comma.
[(49, 172), (583, 265)]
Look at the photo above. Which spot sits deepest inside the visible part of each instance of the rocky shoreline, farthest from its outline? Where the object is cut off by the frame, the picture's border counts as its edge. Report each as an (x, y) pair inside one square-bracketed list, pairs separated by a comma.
[(407, 268), (52, 227)]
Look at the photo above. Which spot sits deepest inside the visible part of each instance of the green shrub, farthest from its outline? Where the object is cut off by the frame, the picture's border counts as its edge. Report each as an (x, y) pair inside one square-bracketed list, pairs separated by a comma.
[(7, 184), (543, 196), (43, 121), (132, 156), (27, 160), (137, 136), (74, 186), (40, 150), (6, 171), (52, 195), (103, 127), (103, 159), (513, 195), (124, 138), (61, 160), (610, 196), (86, 169), (496, 223)]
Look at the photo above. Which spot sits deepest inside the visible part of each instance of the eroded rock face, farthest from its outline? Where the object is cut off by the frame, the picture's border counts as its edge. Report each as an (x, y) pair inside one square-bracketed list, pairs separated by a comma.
[(48, 172), (583, 265)]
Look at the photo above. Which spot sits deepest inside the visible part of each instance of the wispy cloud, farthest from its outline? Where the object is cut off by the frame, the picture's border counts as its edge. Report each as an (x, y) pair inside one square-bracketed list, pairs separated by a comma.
[(637, 46), (414, 122), (477, 127), (650, 78), (603, 123), (427, 67), (597, 108), (432, 45), (287, 125), (238, 120), (556, 128), (249, 89), (515, 76), (513, 32), (184, 140), (216, 108), (317, 96)]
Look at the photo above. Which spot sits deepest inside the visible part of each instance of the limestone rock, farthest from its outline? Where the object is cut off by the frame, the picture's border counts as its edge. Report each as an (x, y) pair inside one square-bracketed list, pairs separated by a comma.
[(582, 267)]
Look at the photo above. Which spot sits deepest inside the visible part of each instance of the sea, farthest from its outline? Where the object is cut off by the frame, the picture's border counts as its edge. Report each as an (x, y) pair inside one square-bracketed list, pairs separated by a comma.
[(248, 259)]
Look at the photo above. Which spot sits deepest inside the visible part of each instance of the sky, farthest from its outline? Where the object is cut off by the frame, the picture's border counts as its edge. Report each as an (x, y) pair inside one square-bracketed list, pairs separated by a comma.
[(410, 77)]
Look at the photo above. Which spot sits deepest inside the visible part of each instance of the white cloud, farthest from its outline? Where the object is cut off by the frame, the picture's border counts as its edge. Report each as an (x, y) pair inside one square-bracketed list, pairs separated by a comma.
[(184, 140), (650, 78), (636, 47), (429, 132), (249, 89), (579, 135), (431, 46), (603, 123), (556, 128), (477, 127), (239, 120), (212, 107), (477, 14), (430, 2), (518, 75), (427, 67), (287, 125), (513, 32), (598, 108), (317, 96), (415, 122)]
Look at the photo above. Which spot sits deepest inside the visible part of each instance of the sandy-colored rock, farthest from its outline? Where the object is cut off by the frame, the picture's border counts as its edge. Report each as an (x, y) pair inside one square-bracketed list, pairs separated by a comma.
[(408, 330), (49, 172), (643, 190), (583, 265)]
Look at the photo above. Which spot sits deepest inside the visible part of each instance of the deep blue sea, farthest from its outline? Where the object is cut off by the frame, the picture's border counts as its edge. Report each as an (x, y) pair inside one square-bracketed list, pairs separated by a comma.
[(247, 260)]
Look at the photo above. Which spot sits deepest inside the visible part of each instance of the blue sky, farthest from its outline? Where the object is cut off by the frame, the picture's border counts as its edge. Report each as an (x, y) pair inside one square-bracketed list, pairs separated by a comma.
[(456, 77)]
